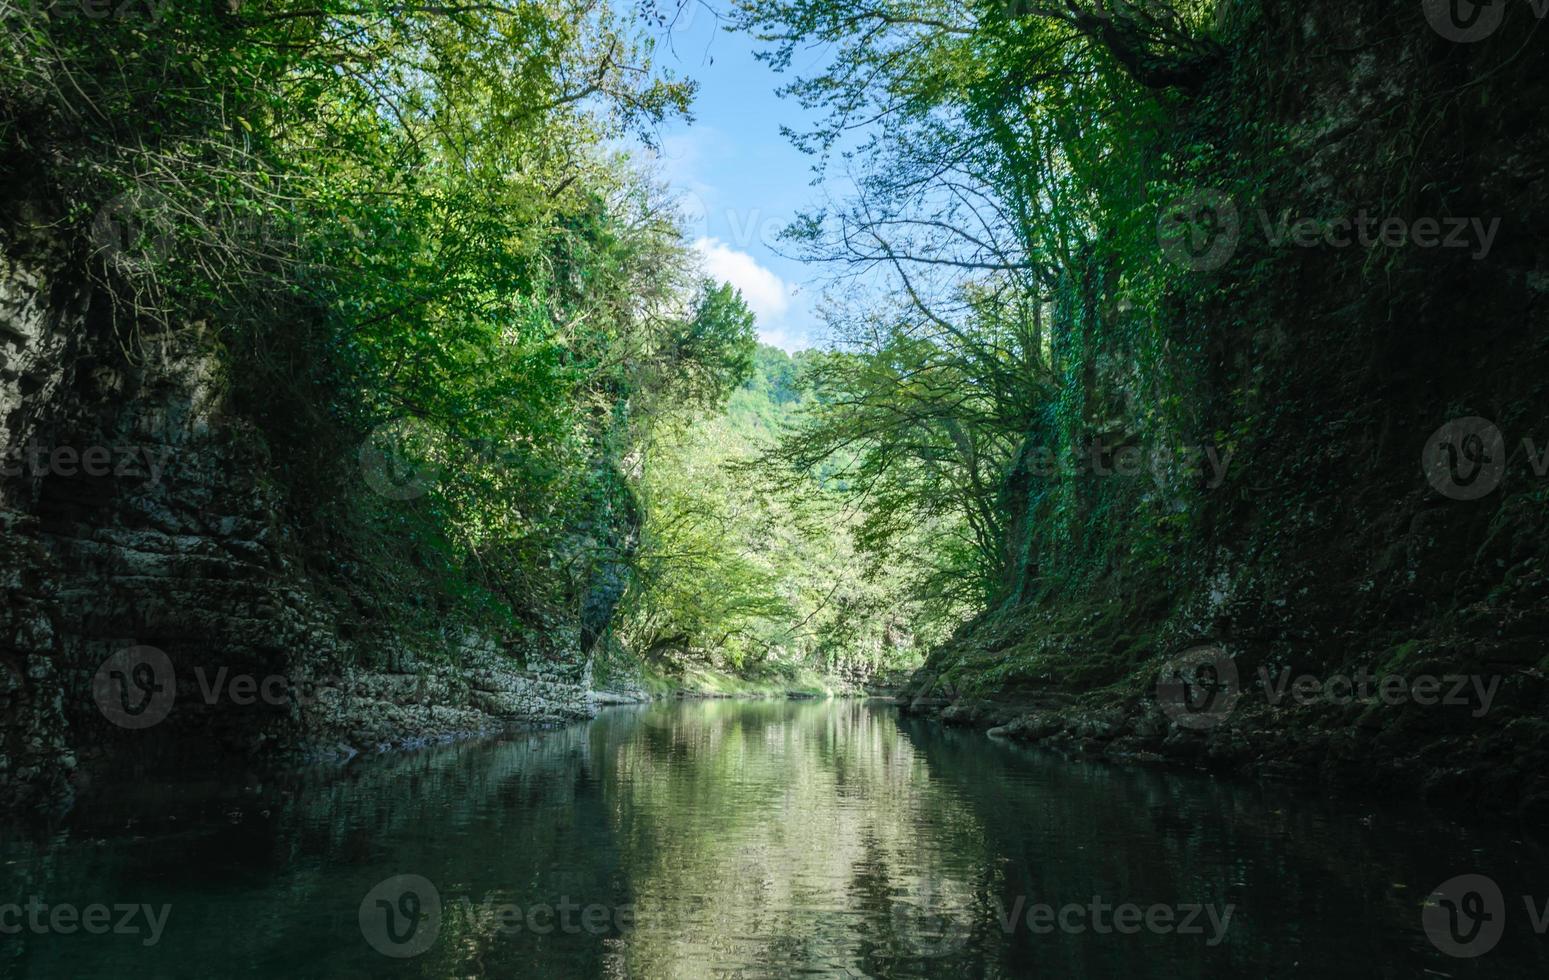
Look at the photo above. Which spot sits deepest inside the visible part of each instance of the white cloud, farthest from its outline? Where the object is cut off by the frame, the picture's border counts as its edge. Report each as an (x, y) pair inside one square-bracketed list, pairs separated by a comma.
[(767, 295), (786, 340)]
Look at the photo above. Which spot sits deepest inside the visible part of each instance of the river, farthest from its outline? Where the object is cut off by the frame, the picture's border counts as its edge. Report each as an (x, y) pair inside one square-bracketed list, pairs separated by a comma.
[(757, 839)]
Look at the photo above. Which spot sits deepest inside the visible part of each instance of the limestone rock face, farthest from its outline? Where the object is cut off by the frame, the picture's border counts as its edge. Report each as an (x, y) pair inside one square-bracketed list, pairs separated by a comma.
[(138, 513)]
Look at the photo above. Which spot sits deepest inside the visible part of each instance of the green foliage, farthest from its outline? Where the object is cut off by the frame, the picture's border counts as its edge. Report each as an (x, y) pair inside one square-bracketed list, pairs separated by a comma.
[(712, 353), (1008, 187), (746, 572), (409, 231)]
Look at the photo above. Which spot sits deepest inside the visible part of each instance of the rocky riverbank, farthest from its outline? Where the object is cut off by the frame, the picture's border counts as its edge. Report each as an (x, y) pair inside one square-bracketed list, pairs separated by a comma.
[(149, 545), (364, 711), (1440, 752)]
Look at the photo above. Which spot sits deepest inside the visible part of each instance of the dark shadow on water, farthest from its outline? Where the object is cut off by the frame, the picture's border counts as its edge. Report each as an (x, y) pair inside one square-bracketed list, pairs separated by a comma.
[(751, 839)]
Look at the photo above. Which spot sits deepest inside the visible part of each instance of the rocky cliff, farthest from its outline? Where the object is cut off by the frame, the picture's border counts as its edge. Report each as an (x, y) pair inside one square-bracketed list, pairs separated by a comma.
[(159, 606), (1361, 344)]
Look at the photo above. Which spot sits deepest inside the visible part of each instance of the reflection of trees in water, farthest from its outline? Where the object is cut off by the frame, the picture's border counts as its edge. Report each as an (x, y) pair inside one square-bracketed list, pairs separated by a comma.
[(519, 822), (753, 837), (773, 836), (1068, 828)]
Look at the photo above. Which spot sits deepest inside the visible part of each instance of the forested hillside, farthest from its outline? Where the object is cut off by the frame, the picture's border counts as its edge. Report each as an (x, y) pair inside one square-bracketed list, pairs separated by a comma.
[(759, 577)]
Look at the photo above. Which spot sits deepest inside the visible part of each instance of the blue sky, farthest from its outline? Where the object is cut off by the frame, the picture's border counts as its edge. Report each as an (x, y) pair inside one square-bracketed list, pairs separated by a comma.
[(737, 176)]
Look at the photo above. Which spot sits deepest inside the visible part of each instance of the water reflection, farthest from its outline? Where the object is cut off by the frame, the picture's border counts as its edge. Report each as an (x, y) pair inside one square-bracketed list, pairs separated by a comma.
[(749, 839)]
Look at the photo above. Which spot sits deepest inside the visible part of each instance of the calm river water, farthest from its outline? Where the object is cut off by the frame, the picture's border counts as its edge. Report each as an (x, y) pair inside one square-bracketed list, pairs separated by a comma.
[(759, 839)]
